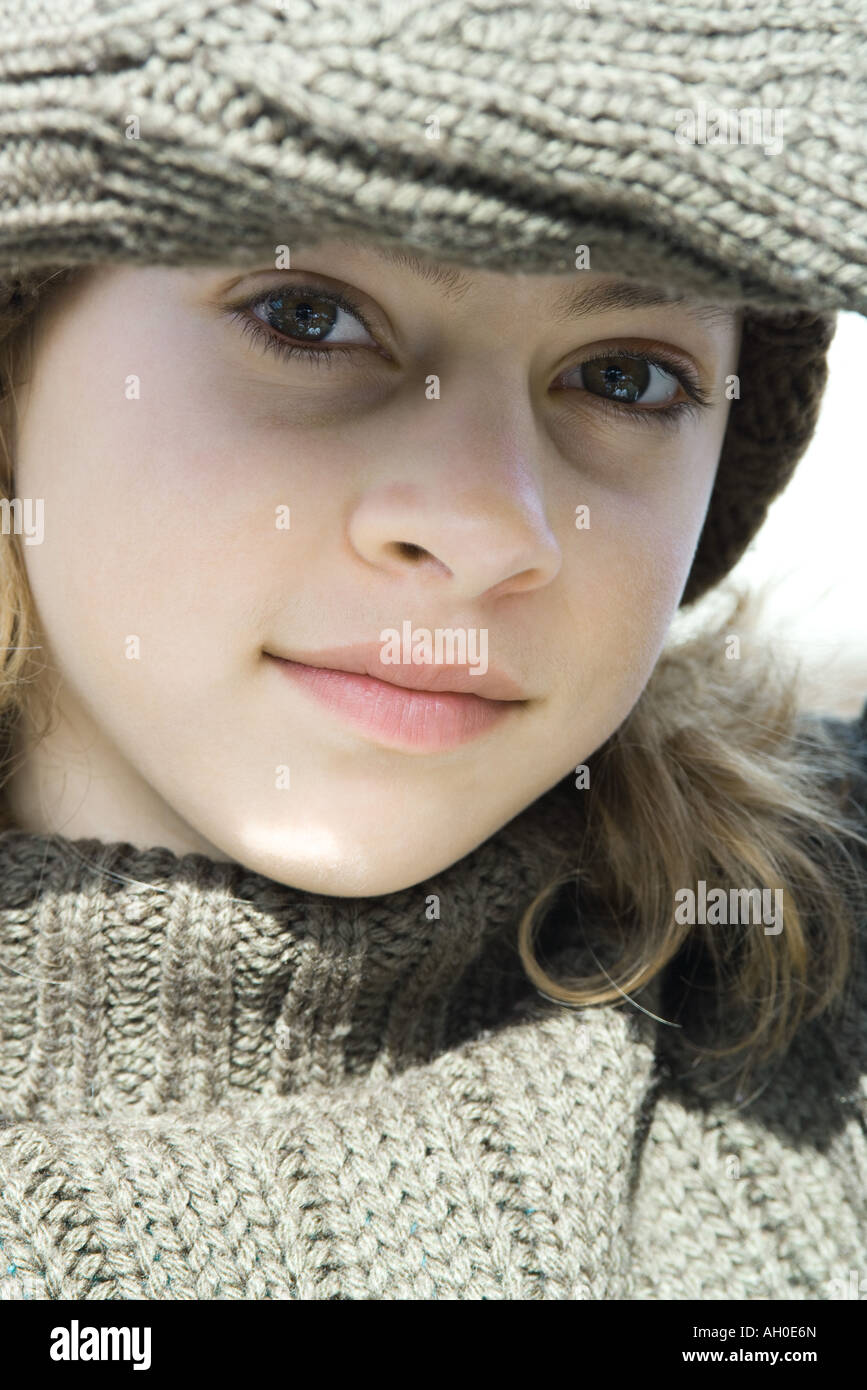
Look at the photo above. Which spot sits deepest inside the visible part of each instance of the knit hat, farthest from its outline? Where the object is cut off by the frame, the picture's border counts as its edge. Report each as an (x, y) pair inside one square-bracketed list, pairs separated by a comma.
[(716, 152)]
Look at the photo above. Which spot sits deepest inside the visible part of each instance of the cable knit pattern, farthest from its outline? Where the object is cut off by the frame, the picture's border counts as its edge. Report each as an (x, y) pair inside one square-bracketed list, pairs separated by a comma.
[(214, 1086), (262, 121)]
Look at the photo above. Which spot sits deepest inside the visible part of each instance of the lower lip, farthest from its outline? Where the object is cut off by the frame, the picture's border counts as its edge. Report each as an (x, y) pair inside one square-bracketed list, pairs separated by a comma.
[(412, 719)]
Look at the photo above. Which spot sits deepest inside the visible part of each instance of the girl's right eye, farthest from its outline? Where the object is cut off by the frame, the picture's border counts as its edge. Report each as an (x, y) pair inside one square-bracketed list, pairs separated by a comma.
[(291, 320)]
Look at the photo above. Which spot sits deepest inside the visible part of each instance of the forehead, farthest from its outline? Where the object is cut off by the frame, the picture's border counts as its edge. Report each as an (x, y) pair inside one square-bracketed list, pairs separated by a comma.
[(597, 294)]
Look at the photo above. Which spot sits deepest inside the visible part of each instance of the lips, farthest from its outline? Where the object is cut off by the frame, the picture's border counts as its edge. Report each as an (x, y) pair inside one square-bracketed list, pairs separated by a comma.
[(422, 709), (365, 660)]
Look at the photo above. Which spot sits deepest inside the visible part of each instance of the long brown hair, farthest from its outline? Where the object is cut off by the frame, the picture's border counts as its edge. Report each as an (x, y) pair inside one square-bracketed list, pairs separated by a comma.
[(20, 692), (719, 775)]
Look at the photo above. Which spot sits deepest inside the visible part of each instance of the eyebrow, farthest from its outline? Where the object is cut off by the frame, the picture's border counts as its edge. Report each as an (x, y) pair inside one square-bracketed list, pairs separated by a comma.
[(579, 301)]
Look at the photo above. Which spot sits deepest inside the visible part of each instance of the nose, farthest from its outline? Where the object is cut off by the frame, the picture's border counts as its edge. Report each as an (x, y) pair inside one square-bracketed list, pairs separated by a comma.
[(460, 501)]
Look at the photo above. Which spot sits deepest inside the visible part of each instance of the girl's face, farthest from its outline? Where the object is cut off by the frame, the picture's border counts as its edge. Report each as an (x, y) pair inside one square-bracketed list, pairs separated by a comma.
[(522, 462)]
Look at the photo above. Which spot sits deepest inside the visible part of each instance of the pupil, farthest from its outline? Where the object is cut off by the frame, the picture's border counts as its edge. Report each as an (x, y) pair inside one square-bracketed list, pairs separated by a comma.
[(311, 317), (622, 383)]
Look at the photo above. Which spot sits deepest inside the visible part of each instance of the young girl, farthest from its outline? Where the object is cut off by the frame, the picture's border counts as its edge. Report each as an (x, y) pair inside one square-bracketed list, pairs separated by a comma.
[(390, 907)]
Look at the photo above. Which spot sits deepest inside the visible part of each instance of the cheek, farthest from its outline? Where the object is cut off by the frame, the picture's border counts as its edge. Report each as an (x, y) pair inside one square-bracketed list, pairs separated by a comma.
[(161, 524), (153, 534), (624, 576)]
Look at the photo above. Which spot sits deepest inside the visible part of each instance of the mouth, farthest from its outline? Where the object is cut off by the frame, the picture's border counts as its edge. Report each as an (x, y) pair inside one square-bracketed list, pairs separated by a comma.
[(420, 709)]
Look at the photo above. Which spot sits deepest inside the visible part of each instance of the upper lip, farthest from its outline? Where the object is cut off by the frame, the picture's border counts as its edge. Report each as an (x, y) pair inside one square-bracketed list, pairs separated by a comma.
[(365, 660)]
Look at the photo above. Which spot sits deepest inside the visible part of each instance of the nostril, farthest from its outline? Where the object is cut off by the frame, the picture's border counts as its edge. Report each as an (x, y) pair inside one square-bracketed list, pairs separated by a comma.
[(408, 550)]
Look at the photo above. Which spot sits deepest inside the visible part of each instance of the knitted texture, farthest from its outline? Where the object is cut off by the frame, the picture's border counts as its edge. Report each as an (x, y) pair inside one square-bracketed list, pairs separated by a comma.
[(500, 135), (556, 126), (214, 1086)]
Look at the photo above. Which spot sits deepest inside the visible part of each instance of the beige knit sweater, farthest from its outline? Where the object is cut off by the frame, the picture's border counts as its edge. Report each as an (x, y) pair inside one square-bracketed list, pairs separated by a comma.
[(216, 1087)]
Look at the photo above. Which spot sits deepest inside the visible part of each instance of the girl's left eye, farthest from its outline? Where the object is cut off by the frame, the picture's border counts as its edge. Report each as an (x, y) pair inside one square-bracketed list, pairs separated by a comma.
[(633, 384), (629, 379)]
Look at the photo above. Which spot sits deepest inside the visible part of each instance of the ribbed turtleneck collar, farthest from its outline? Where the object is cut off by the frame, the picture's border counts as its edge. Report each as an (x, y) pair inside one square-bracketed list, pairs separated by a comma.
[(137, 978)]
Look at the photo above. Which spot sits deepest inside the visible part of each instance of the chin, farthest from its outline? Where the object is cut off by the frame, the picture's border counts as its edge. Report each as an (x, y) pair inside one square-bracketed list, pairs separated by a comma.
[(350, 875)]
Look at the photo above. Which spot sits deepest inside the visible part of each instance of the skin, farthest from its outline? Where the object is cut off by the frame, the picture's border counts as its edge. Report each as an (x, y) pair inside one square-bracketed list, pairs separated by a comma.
[(160, 524)]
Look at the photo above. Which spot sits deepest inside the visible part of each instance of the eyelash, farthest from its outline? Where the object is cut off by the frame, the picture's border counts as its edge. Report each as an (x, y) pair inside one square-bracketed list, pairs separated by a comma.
[(269, 341)]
